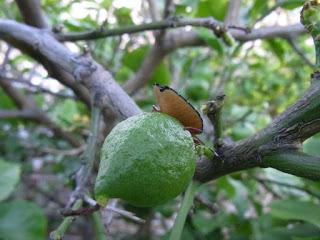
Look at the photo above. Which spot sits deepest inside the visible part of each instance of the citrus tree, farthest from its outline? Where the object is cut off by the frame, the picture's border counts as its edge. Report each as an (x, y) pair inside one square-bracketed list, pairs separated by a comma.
[(74, 73)]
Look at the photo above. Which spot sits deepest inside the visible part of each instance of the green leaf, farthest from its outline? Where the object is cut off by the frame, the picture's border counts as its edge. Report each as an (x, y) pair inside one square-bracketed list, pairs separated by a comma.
[(206, 224), (123, 16), (65, 112), (9, 177), (259, 8), (211, 39), (277, 48), (216, 9), (297, 210), (291, 4), (22, 220), (5, 101), (311, 145), (134, 59)]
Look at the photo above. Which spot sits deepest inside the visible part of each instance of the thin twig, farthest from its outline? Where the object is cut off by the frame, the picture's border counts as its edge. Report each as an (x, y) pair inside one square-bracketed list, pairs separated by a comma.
[(109, 214), (300, 52), (82, 176), (175, 22), (35, 88), (126, 214), (60, 231), (302, 189), (80, 211)]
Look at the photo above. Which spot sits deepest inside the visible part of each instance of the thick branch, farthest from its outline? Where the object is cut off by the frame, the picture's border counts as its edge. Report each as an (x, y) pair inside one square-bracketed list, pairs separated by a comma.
[(293, 162), (41, 45), (32, 14), (299, 122)]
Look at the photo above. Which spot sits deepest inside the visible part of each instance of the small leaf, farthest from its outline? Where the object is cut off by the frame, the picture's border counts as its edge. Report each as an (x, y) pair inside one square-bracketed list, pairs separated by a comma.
[(209, 37), (277, 48), (22, 220), (186, 204), (291, 4), (311, 145), (134, 59), (297, 210), (216, 9), (9, 177)]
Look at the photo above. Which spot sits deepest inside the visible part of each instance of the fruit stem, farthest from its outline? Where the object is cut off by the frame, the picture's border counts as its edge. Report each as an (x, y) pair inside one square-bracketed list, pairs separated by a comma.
[(183, 212)]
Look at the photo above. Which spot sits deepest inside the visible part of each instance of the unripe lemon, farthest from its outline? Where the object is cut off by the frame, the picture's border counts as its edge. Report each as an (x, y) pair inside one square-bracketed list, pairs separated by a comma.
[(145, 160)]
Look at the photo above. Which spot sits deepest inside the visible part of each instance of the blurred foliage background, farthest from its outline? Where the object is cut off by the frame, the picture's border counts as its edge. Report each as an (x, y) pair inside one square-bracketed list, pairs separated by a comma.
[(260, 78)]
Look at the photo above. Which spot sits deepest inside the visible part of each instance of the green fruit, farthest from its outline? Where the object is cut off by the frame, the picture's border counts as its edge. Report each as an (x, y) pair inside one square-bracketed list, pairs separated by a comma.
[(145, 160)]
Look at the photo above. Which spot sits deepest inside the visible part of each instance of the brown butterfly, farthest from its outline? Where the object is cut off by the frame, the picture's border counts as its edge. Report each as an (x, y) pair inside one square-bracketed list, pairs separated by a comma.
[(173, 104)]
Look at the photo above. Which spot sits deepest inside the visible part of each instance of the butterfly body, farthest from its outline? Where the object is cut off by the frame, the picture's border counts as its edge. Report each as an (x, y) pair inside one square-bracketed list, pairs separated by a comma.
[(173, 104)]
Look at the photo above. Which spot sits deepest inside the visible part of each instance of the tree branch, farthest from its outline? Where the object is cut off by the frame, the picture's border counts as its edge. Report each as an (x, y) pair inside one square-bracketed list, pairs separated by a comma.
[(174, 22), (150, 62), (233, 12), (21, 101), (42, 46), (295, 163), (153, 10), (30, 111), (32, 88), (88, 157), (214, 111), (31, 13), (24, 114), (300, 52), (299, 122), (287, 185)]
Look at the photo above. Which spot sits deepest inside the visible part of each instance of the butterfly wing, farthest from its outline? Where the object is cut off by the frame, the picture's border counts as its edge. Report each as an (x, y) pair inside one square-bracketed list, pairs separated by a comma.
[(173, 104)]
